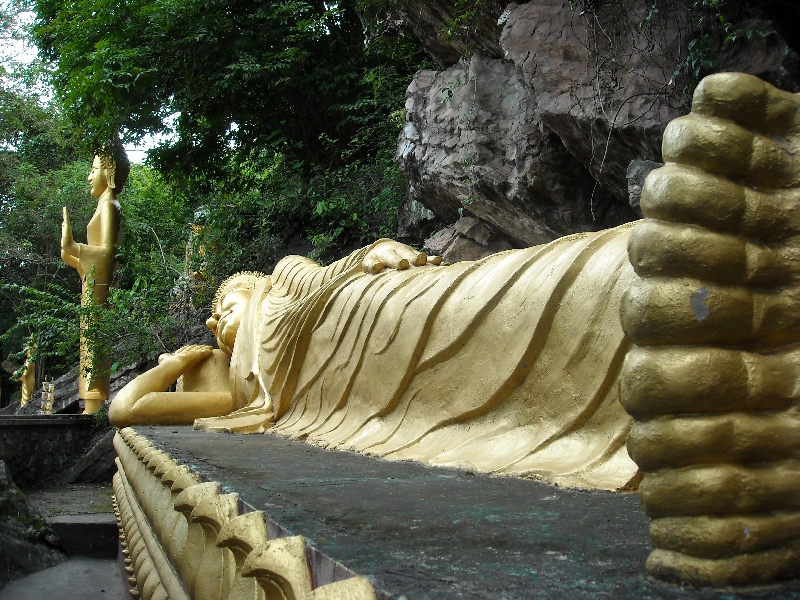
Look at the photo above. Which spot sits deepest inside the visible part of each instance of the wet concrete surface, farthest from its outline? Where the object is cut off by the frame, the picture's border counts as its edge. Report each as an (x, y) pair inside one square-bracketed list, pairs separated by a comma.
[(76, 579), (422, 532)]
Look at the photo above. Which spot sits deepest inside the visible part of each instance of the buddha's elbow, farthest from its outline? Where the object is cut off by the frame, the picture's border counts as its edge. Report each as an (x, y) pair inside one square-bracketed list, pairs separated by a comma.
[(118, 413)]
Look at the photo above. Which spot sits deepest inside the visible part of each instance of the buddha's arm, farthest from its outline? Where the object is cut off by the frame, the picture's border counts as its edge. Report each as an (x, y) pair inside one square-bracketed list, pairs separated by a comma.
[(109, 217), (144, 400), (298, 276), (101, 256)]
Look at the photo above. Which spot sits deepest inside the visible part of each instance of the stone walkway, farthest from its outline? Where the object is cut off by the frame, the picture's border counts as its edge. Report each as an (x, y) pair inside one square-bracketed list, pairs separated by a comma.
[(422, 532), (74, 499), (79, 578)]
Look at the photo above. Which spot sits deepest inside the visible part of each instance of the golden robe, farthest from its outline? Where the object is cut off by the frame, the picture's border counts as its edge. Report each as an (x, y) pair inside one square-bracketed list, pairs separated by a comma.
[(507, 365)]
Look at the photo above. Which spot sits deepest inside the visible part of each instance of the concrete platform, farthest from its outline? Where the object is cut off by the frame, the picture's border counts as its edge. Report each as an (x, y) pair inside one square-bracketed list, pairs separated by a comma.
[(82, 517), (76, 579), (421, 532), (91, 536), (72, 499)]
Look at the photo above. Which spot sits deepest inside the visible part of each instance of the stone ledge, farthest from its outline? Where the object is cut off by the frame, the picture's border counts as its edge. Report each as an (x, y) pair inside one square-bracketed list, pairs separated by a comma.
[(47, 421), (91, 536), (418, 531)]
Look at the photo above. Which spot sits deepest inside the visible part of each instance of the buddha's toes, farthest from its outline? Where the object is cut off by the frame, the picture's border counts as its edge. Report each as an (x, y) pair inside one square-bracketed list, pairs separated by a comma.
[(714, 314)]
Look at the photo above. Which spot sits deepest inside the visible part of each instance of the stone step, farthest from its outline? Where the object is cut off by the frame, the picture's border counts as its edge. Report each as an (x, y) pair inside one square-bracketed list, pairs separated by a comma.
[(88, 535)]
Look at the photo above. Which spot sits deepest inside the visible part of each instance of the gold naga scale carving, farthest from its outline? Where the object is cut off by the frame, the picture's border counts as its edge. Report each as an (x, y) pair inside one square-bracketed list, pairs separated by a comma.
[(185, 539)]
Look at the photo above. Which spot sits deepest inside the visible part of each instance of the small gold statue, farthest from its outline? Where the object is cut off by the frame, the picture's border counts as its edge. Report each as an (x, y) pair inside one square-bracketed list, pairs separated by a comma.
[(26, 376), (48, 397), (95, 261)]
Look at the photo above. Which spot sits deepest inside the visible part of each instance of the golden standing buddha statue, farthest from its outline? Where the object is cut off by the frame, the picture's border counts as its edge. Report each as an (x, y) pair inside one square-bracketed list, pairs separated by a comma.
[(95, 260), (26, 376)]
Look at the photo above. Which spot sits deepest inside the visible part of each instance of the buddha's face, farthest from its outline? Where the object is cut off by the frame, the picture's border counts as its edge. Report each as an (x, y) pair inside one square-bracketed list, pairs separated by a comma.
[(227, 317), (97, 178)]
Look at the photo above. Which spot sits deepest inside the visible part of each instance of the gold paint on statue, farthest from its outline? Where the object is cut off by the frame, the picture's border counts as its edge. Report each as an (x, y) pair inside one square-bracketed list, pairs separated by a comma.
[(714, 314), (26, 376), (513, 364), (506, 365), (95, 260)]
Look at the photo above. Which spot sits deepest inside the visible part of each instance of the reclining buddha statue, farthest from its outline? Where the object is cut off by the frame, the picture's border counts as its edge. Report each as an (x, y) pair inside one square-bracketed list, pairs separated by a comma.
[(519, 363)]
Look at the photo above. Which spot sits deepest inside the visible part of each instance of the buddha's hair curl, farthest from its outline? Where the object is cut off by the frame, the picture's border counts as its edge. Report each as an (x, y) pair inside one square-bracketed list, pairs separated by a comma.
[(116, 164), (246, 280)]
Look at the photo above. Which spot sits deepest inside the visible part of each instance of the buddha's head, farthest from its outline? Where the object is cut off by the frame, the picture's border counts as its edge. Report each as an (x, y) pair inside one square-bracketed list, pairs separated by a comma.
[(229, 306), (110, 169)]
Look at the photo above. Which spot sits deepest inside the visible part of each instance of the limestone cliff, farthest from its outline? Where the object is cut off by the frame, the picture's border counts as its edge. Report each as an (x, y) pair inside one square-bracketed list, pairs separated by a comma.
[(556, 112)]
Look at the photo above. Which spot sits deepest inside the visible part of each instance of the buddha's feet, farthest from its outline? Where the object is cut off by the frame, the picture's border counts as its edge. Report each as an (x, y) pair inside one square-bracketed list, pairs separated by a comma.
[(250, 419), (715, 315)]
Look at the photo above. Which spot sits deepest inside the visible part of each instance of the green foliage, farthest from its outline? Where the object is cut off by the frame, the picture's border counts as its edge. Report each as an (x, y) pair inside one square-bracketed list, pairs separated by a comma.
[(247, 219), (101, 419), (698, 58), (250, 221), (353, 205), (714, 21), (155, 223), (135, 326), (47, 319), (448, 89), (296, 79), (465, 23), (38, 291), (287, 116)]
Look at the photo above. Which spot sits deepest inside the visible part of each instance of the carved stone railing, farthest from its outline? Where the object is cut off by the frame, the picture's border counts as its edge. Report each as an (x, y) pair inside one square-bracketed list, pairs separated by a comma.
[(185, 539)]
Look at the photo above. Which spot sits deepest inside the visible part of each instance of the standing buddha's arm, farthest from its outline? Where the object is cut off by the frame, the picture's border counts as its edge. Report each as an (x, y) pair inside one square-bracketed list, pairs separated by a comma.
[(69, 248), (83, 257)]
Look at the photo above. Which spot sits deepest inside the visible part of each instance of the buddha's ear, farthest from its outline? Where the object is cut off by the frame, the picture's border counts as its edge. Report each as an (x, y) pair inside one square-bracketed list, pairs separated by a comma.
[(110, 179)]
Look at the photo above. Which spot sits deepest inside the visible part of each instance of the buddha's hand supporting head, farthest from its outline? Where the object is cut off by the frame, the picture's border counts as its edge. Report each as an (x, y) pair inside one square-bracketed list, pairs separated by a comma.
[(716, 315), (229, 307), (389, 254)]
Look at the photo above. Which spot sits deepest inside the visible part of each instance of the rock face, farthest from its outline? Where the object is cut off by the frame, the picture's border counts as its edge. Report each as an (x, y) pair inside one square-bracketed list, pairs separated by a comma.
[(96, 465), (38, 449), (467, 239), (427, 21), (538, 144), (473, 141), (27, 544)]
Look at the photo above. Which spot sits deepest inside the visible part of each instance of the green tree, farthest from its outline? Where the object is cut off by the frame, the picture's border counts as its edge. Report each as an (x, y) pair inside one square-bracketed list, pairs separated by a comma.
[(287, 116), (296, 78)]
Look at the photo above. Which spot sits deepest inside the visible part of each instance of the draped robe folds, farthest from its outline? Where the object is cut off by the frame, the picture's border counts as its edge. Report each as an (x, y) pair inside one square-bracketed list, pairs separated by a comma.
[(507, 365)]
